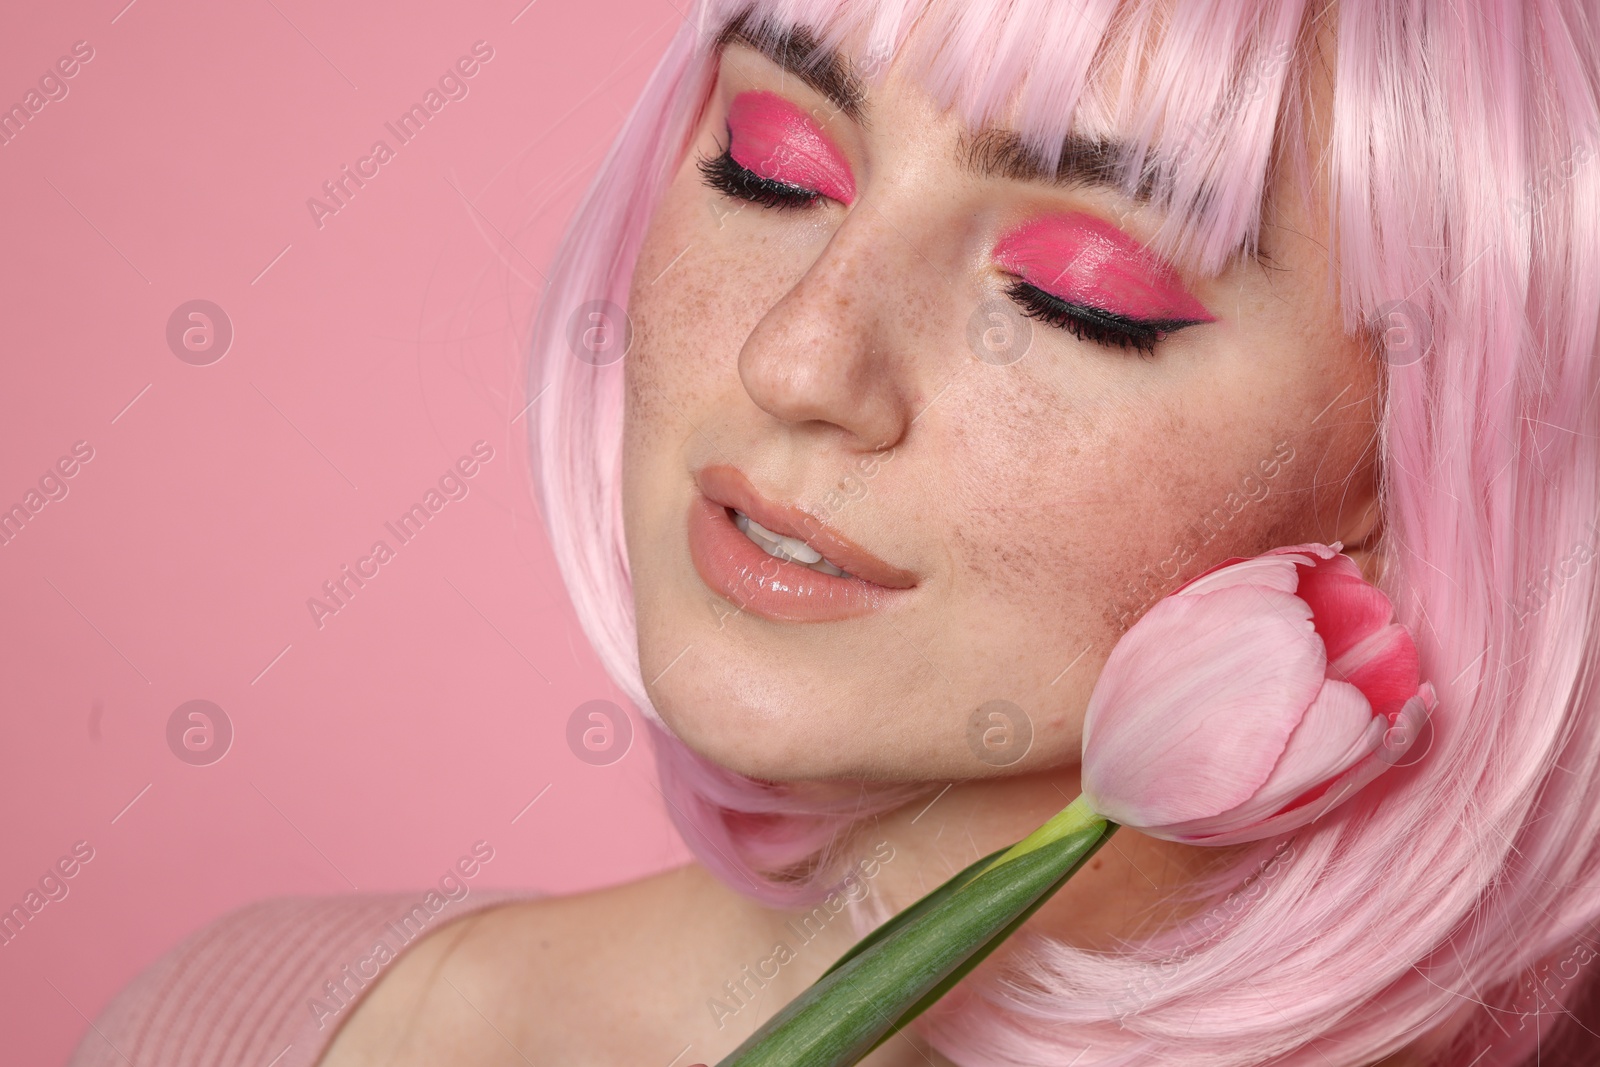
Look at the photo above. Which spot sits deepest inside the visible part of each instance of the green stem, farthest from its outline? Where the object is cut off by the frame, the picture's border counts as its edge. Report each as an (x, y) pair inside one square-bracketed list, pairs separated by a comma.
[(961, 970), (902, 968), (917, 910)]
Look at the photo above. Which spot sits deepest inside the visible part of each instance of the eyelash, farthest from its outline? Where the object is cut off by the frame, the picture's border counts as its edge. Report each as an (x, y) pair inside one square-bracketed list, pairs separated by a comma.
[(723, 173), (1093, 324), (1099, 327)]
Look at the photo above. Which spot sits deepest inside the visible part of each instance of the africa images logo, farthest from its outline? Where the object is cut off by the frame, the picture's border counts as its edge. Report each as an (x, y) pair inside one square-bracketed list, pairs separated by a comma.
[(453, 484), (413, 918), (452, 85)]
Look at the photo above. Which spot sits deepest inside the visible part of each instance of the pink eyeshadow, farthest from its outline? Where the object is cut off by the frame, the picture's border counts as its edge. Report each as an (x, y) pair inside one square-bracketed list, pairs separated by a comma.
[(773, 138), (1086, 261)]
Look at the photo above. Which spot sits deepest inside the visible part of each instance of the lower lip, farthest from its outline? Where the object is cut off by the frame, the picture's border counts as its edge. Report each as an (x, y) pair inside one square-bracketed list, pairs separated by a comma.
[(779, 589)]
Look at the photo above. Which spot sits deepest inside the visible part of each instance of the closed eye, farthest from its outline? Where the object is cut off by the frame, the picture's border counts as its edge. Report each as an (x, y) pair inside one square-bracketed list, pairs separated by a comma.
[(726, 175), (1094, 324)]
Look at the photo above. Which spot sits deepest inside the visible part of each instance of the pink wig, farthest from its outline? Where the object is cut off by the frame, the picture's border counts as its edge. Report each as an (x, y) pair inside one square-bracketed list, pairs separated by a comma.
[(1448, 907)]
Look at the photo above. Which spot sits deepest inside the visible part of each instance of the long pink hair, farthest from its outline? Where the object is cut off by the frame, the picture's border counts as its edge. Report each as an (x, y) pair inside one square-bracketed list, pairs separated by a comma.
[(1448, 907)]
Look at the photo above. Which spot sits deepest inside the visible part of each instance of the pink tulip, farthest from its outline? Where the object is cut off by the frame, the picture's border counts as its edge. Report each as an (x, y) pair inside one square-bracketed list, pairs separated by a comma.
[(1252, 700)]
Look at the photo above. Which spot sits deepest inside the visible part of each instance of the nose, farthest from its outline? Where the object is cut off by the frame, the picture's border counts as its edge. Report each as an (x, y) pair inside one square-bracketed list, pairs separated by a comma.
[(837, 351)]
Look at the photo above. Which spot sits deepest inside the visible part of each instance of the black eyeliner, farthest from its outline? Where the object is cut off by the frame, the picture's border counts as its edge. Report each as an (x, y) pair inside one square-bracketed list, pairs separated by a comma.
[(1094, 324), (726, 174)]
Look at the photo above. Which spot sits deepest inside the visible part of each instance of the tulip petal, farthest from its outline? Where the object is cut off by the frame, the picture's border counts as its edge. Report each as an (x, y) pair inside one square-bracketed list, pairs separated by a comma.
[(1416, 710), (1227, 674), (1310, 548), (1384, 667), (1337, 731), (1308, 555), (1347, 608), (1333, 734), (1270, 572)]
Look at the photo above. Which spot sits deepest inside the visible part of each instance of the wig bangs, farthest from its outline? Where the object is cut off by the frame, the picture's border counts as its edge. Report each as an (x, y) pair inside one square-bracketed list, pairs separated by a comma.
[(1189, 108)]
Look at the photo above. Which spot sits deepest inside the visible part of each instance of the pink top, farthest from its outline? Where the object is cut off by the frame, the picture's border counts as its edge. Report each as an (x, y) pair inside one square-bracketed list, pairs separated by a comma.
[(268, 984)]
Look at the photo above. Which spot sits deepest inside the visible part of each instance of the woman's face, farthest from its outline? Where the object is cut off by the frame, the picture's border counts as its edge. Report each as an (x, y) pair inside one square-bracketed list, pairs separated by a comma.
[(1006, 486)]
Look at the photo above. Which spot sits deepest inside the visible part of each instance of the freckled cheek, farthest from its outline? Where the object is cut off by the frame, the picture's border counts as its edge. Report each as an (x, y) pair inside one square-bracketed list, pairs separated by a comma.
[(705, 276), (1048, 509), (686, 321), (1069, 523)]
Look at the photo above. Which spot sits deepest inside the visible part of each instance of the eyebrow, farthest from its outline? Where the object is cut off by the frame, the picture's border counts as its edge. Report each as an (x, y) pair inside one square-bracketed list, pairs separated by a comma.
[(1086, 162), (992, 152), (796, 50), (995, 152)]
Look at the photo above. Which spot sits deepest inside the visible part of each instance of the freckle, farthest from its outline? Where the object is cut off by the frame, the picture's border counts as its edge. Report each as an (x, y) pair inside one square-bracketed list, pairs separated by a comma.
[(1094, 864)]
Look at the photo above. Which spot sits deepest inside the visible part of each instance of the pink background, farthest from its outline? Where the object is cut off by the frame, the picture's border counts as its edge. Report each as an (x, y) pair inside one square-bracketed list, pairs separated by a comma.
[(368, 354)]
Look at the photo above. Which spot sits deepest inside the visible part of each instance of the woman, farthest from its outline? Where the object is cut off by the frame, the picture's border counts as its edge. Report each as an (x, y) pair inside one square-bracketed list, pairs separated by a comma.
[(900, 356)]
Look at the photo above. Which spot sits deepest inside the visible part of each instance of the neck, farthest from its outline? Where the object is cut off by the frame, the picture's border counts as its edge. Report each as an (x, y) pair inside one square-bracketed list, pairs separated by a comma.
[(913, 849)]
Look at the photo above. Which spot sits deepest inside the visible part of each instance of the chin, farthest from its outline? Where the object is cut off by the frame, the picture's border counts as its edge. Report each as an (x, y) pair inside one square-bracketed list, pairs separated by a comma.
[(759, 727), (765, 728)]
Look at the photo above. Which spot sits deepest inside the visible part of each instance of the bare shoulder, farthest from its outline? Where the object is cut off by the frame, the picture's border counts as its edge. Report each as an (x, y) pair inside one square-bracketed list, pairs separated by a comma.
[(635, 974), (615, 975)]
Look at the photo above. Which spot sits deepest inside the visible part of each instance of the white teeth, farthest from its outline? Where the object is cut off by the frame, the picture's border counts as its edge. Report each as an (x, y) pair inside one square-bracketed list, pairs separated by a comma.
[(786, 547), (783, 546)]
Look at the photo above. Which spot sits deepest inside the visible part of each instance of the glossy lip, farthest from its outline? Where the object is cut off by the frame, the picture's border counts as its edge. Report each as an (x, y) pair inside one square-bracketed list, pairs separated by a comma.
[(1087, 261), (771, 137), (736, 568)]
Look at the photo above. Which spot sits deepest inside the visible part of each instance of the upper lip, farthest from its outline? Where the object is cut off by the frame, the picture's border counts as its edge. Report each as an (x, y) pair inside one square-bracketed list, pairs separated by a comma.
[(728, 486)]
